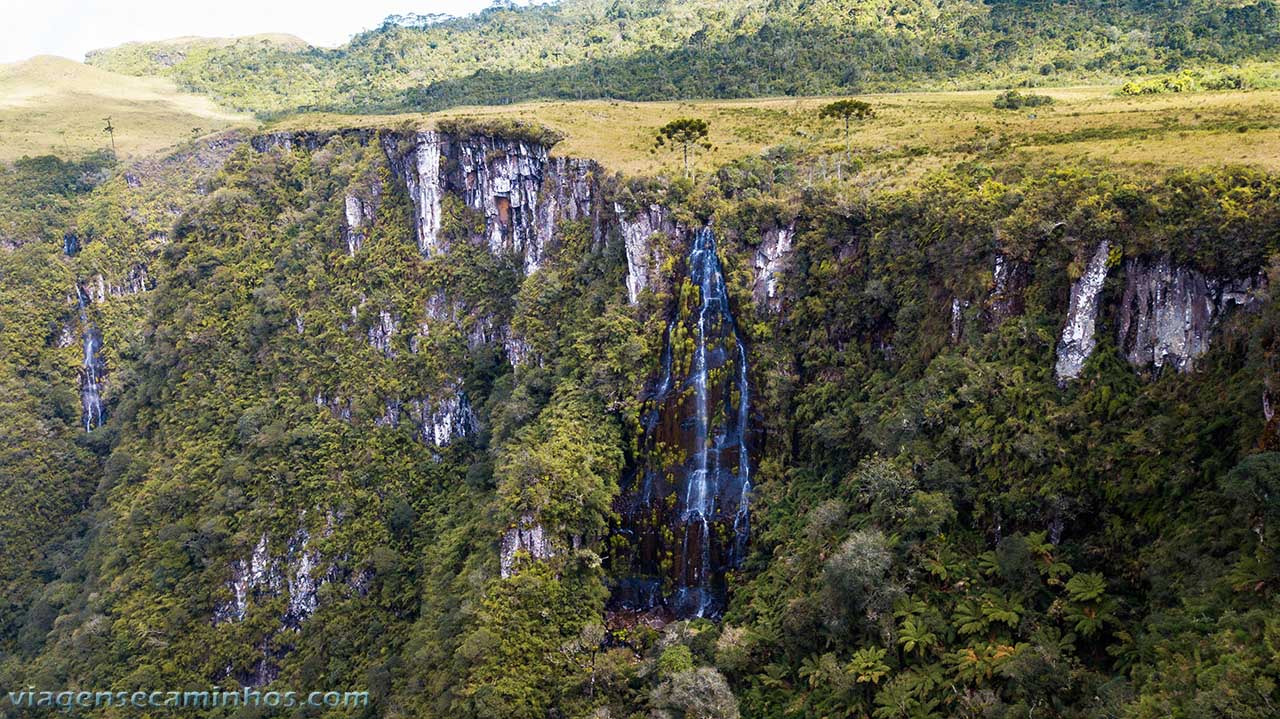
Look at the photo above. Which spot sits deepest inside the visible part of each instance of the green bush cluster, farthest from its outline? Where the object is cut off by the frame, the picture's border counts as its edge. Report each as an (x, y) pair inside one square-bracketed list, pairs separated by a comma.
[(1014, 100), (1198, 80)]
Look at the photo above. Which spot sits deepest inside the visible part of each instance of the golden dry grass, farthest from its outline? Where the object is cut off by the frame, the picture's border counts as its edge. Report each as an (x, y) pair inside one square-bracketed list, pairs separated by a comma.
[(56, 105), (913, 132), (51, 105)]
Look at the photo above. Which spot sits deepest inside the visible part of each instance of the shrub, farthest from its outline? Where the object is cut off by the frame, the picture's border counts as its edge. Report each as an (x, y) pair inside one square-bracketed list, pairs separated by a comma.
[(697, 694), (1014, 100), (502, 127), (856, 573), (675, 660)]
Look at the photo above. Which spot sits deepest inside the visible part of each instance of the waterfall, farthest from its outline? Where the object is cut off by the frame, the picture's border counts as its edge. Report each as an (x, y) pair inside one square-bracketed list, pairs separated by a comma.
[(688, 511), (91, 367)]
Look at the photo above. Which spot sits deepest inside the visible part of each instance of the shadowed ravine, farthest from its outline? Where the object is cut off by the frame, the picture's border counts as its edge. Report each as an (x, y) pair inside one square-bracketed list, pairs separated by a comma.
[(687, 511)]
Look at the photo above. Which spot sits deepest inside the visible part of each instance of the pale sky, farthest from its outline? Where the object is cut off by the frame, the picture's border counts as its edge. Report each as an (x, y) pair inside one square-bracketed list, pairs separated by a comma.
[(71, 28)]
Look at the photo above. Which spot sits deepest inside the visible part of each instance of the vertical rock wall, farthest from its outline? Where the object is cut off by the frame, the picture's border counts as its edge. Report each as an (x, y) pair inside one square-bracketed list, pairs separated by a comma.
[(1169, 312), (770, 261), (1078, 336)]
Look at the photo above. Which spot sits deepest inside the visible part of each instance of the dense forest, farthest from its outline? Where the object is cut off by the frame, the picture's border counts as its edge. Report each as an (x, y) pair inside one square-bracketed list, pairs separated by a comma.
[(664, 49), (322, 432), (855, 425)]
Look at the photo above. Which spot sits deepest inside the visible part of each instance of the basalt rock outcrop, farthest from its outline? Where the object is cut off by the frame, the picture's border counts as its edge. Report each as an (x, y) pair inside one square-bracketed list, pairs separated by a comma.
[(1165, 318), (135, 281), (526, 537), (1009, 281), (444, 420), (1079, 334), (438, 422), (770, 261), (521, 191), (296, 571), (639, 231), (1169, 311), (359, 211)]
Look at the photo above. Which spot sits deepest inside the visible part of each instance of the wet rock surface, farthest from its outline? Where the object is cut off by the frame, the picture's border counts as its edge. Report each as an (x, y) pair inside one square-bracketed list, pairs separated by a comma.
[(686, 513)]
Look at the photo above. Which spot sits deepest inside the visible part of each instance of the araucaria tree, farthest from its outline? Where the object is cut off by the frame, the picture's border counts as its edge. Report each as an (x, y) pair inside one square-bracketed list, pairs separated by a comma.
[(687, 133), (848, 111)]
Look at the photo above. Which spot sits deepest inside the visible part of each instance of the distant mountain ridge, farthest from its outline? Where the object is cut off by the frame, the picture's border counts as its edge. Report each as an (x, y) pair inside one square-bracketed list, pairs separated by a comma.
[(663, 49)]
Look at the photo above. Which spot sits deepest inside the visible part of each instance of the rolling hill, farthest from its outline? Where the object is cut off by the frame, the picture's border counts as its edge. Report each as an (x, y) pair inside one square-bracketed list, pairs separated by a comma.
[(52, 105), (681, 49)]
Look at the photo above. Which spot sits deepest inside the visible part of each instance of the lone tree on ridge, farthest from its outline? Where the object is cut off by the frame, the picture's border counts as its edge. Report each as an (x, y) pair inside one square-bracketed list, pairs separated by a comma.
[(686, 132), (848, 111)]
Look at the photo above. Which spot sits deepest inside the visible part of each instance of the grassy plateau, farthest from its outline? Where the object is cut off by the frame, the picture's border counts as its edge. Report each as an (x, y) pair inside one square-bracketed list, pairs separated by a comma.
[(51, 105)]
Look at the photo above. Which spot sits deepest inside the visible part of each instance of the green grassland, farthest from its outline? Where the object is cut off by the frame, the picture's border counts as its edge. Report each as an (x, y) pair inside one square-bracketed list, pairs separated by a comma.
[(55, 106)]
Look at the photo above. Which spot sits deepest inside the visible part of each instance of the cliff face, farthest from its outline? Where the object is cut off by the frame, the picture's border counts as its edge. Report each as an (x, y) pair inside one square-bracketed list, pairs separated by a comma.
[(1010, 278), (279, 582), (770, 263), (1165, 317), (1169, 312), (521, 191), (522, 194), (369, 348), (359, 212), (687, 511), (642, 235), (92, 369), (1078, 335), (527, 537)]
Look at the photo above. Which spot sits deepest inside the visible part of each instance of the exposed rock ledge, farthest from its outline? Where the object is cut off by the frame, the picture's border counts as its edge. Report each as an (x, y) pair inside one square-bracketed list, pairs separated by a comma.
[(527, 537), (770, 261), (637, 234), (1166, 318), (1169, 311), (1078, 338)]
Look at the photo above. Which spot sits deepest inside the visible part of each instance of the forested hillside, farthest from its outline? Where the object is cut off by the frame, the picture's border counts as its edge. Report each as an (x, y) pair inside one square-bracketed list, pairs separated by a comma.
[(664, 49), (896, 406), (372, 423)]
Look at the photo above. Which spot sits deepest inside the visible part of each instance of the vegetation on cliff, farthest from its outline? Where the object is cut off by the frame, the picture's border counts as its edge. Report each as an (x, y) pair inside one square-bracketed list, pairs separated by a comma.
[(939, 529), (333, 461)]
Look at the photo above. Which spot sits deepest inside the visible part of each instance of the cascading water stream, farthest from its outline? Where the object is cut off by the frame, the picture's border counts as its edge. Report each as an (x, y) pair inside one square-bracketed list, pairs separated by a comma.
[(688, 511), (742, 519), (91, 368)]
